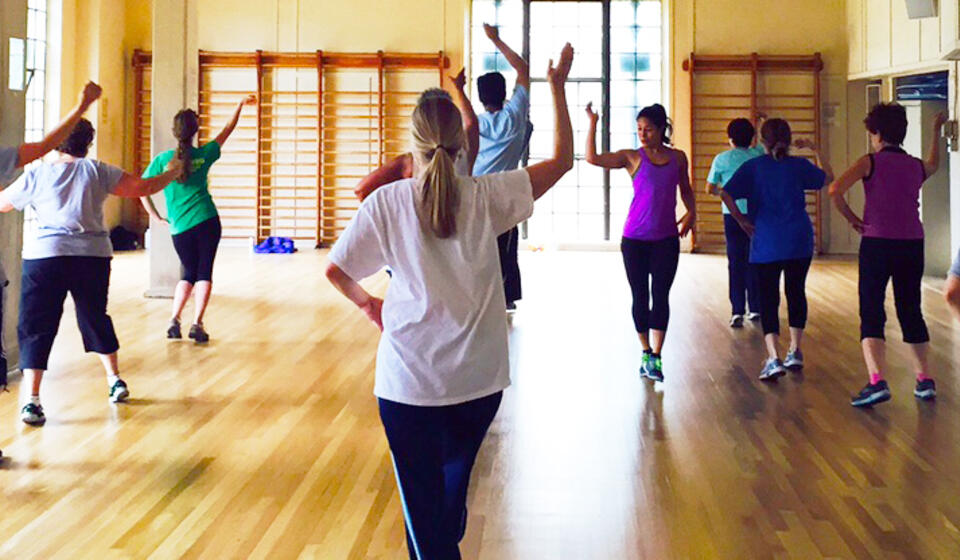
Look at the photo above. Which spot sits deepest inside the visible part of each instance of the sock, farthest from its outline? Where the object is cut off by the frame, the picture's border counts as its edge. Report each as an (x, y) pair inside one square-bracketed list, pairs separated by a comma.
[(876, 378), (35, 399), (112, 379), (648, 352), (922, 376)]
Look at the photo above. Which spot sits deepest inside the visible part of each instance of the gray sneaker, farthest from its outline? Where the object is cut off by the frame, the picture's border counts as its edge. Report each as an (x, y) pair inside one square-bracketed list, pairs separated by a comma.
[(794, 360), (772, 369)]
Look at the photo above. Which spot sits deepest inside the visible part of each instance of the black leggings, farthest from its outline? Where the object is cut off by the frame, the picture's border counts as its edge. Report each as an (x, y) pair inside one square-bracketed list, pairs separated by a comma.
[(197, 247), (795, 279), (901, 260), (651, 264)]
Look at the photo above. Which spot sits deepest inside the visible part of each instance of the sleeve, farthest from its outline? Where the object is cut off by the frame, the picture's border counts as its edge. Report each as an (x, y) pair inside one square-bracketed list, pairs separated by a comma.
[(211, 152), (740, 185), (715, 176), (109, 176), (8, 163), (519, 109), (153, 169), (813, 177), (509, 198), (21, 192), (359, 251)]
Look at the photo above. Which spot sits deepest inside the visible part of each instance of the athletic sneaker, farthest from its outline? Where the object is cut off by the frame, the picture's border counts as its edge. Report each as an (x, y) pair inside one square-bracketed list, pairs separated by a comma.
[(753, 316), (511, 306), (655, 372), (925, 389), (198, 334), (872, 394), (794, 360), (119, 391), (736, 322), (173, 331), (646, 363), (772, 369), (33, 414)]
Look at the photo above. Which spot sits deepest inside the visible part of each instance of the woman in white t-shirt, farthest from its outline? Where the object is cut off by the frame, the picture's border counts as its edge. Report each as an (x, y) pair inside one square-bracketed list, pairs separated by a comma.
[(442, 360)]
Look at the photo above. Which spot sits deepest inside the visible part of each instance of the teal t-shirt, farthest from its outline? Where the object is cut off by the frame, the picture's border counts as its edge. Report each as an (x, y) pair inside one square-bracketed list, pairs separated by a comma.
[(726, 164), (189, 203)]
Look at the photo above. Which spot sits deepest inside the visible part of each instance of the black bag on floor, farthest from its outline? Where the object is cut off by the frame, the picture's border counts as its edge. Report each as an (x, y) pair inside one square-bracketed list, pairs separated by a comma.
[(123, 239)]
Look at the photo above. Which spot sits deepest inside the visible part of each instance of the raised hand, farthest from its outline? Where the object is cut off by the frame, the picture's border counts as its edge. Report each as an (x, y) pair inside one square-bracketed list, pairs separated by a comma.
[(249, 100), (493, 33), (460, 80), (939, 119), (91, 92), (804, 143), (591, 114), (175, 165), (557, 76)]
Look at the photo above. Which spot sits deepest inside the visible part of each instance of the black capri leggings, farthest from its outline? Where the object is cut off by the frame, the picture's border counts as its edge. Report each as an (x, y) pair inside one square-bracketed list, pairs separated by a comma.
[(44, 288), (197, 247), (881, 260), (651, 264), (795, 279)]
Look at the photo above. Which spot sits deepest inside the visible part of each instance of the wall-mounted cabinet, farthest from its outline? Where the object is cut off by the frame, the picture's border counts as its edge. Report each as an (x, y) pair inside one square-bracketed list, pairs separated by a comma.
[(884, 41)]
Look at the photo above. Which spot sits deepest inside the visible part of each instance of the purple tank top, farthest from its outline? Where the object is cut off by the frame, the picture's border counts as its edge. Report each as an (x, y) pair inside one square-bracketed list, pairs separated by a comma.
[(892, 208), (653, 211)]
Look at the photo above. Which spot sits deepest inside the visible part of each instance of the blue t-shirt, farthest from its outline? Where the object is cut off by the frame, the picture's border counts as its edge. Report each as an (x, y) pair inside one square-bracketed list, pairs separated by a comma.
[(68, 199), (726, 164), (503, 135), (778, 207), (8, 164)]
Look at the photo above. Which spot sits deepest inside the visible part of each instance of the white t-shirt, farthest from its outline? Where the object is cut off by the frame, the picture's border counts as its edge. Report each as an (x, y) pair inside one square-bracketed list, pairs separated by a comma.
[(444, 330)]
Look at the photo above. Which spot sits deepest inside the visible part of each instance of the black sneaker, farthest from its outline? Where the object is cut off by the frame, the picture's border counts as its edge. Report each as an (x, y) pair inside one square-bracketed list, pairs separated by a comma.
[(925, 390), (872, 394), (173, 331), (198, 334), (33, 414)]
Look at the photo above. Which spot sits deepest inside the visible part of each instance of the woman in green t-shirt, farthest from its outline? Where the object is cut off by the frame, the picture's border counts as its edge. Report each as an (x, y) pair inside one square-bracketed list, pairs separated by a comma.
[(192, 215)]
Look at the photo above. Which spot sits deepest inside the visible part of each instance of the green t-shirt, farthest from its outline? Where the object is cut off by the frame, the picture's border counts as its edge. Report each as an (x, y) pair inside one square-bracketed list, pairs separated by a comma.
[(190, 203)]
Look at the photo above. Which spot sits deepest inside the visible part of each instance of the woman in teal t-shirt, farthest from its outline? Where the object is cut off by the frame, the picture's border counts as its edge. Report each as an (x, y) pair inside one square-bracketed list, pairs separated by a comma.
[(194, 222)]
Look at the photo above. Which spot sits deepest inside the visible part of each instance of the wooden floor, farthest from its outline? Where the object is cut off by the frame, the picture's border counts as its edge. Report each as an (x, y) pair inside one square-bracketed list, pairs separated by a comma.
[(267, 444)]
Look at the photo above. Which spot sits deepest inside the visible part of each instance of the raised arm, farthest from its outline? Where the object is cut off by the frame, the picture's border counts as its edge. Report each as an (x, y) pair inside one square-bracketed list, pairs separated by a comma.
[(400, 167), (609, 160), (839, 187), (822, 161), (932, 163), (471, 126), (546, 173), (232, 124), (515, 60), (688, 222), (131, 186), (36, 150)]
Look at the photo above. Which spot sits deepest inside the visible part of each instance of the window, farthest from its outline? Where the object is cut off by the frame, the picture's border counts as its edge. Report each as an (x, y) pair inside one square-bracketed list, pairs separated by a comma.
[(36, 69), (618, 67)]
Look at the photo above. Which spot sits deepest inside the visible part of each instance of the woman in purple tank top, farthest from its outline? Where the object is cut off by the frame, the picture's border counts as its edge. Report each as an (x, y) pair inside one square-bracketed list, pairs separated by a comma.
[(651, 238), (892, 244)]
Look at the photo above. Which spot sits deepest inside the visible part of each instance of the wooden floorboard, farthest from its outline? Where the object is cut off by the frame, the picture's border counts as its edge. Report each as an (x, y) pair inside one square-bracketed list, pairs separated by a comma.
[(266, 443)]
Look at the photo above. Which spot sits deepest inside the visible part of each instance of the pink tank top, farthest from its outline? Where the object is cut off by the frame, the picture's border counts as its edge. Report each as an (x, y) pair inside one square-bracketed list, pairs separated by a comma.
[(653, 211), (892, 208)]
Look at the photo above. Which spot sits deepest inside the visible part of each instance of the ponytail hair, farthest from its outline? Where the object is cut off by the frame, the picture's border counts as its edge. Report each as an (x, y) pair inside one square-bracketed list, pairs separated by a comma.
[(437, 139), (186, 123), (775, 135), (657, 115)]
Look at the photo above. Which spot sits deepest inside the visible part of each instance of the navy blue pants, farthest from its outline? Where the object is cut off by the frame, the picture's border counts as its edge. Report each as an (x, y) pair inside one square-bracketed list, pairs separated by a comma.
[(433, 449), (509, 244), (744, 285), (45, 285)]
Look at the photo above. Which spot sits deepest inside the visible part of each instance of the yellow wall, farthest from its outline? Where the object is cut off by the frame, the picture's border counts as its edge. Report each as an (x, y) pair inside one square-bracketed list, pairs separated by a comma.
[(745, 26)]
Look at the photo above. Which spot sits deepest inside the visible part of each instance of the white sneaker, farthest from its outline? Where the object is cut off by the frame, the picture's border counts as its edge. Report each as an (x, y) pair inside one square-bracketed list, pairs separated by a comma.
[(119, 391), (736, 322), (751, 316), (33, 414)]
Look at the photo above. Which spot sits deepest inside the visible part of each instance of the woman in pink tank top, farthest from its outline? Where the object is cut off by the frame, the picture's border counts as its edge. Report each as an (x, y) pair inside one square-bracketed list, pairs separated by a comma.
[(651, 238), (892, 244)]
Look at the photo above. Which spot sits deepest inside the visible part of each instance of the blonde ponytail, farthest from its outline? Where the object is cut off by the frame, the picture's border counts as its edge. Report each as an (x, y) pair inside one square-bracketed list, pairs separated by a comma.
[(437, 138)]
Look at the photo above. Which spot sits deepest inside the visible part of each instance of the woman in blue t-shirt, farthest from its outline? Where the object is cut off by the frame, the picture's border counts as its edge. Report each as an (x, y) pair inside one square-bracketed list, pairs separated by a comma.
[(774, 186)]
